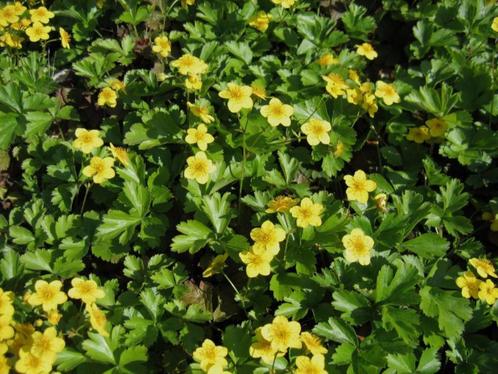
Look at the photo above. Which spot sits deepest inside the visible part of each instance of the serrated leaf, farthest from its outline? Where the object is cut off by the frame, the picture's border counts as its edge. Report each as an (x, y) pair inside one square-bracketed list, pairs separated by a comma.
[(427, 245), (337, 331), (99, 349)]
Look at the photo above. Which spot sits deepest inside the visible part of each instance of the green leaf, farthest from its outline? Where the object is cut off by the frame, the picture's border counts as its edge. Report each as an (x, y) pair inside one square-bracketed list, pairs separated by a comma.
[(240, 50), (195, 236), (405, 322), (133, 354), (402, 363), (69, 359), (40, 259), (398, 288), (118, 223), (21, 235), (98, 348), (38, 124), (337, 331), (9, 129), (427, 245), (429, 362), (217, 208)]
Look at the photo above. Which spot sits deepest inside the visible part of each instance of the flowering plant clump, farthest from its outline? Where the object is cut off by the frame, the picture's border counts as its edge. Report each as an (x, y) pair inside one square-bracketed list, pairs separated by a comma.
[(248, 187)]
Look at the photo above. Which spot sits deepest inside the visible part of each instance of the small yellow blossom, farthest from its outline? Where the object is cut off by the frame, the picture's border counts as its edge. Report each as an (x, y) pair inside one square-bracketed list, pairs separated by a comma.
[(260, 21), (239, 97), (358, 247), (258, 89), (199, 167), (268, 237), (488, 292), (4, 365), (370, 104), (210, 354), (193, 82), (359, 186), (494, 25), (48, 295), (19, 9), (437, 127), (29, 363), (87, 140), (280, 204), (277, 113), (381, 202), (187, 3), (65, 38), (85, 290), (354, 96), (199, 136), (366, 49), (120, 154), (469, 285), (353, 75), (313, 343), (387, 92), (257, 261), (100, 169), (41, 15), (37, 32), (107, 96), (47, 344), (339, 149), (98, 319), (327, 59), (484, 267), (8, 15), (286, 4), (6, 308), (11, 40), (53, 316), (116, 84), (201, 112), (282, 334), (313, 365), (190, 65), (308, 213), (6, 330), (316, 131), (215, 266), (263, 349), (336, 86), (162, 46), (418, 134)]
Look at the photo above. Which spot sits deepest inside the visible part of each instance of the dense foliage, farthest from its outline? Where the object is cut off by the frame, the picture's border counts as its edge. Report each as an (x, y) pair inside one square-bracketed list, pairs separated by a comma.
[(243, 186)]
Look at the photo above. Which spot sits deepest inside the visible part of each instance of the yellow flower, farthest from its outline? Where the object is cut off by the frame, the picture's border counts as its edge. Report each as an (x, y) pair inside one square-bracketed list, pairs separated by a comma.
[(120, 154), (47, 344), (11, 40), (53, 316), (98, 319), (257, 261), (313, 344), (162, 46), (359, 186), (188, 2), (358, 247), (107, 96), (327, 59), (370, 104), (366, 50), (277, 113), (28, 363), (116, 84), (437, 127), (190, 65), (209, 355), (23, 336), (494, 25), (418, 134), (87, 140), (354, 96), (260, 21), (48, 295), (239, 97), (19, 9), (494, 224), (65, 38), (484, 267), (336, 86), (193, 82), (215, 266), (488, 292), (281, 204), (308, 213), (201, 112), (6, 330), (316, 131), (469, 285), (8, 15), (258, 89), (199, 167), (100, 169), (6, 308), (282, 334), (86, 290), (313, 365), (41, 15), (387, 92), (263, 349), (381, 202), (339, 149), (4, 365), (267, 237), (284, 3), (21, 25), (37, 32), (199, 136)]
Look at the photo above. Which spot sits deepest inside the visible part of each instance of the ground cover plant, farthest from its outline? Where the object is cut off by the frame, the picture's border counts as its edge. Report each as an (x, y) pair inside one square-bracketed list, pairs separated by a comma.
[(242, 186)]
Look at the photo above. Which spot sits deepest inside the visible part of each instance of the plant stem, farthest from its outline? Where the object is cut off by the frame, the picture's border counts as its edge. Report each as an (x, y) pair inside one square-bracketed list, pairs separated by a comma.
[(87, 189)]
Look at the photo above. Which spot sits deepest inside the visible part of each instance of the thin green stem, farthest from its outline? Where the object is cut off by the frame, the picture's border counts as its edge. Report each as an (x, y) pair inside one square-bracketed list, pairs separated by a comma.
[(87, 189)]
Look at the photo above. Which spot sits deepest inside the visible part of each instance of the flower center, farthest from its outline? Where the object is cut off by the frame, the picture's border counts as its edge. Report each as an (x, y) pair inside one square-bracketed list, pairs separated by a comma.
[(200, 167), (47, 293)]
